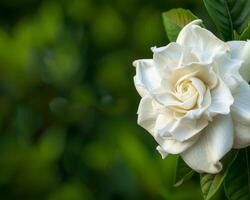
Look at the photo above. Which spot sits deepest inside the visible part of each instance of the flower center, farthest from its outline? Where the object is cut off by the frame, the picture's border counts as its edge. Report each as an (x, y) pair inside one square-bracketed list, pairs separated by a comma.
[(188, 94), (184, 90)]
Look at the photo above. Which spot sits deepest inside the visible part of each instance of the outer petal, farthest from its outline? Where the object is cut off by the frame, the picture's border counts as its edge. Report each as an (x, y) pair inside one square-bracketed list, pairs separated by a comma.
[(229, 70), (241, 115), (147, 77), (241, 106), (241, 135), (213, 144), (240, 50), (171, 146), (167, 144), (203, 42), (147, 113), (164, 122), (186, 128), (173, 55), (222, 99)]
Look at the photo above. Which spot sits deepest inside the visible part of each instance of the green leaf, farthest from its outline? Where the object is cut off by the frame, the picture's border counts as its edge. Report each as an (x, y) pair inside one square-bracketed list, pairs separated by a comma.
[(237, 182), (211, 183), (174, 20), (236, 36), (183, 172), (246, 33), (229, 15)]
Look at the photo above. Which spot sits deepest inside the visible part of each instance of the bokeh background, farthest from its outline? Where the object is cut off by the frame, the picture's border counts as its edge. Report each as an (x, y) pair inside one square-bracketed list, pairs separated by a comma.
[(68, 105)]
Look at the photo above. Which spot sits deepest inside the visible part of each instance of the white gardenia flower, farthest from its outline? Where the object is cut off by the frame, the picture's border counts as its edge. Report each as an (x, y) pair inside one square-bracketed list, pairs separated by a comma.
[(196, 98)]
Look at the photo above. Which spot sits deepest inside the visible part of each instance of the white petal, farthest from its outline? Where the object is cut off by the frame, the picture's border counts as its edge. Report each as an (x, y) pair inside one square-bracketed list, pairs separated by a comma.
[(171, 146), (186, 128), (204, 43), (139, 87), (241, 106), (213, 144), (241, 135), (241, 50), (147, 77), (197, 113), (202, 71), (222, 99), (229, 70), (201, 89), (185, 105), (167, 143), (147, 113), (164, 122), (183, 128), (173, 55)]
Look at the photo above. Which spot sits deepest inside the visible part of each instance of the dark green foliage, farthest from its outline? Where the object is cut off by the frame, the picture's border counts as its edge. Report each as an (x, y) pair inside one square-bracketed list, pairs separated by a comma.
[(237, 182), (183, 172), (229, 15)]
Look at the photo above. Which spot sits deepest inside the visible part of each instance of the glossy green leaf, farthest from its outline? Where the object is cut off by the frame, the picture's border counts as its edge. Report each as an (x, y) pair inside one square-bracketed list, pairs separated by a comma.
[(211, 183), (229, 15), (183, 172), (174, 20), (236, 35), (246, 33), (237, 182)]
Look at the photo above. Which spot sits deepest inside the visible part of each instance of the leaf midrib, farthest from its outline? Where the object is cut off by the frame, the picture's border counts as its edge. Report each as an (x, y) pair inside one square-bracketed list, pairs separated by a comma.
[(229, 16)]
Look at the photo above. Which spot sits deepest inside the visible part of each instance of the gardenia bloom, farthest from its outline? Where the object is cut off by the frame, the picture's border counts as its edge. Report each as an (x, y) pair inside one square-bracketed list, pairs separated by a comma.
[(196, 98)]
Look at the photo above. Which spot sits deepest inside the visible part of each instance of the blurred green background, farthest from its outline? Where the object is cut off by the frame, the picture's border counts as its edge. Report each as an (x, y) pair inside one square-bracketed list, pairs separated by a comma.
[(68, 105)]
